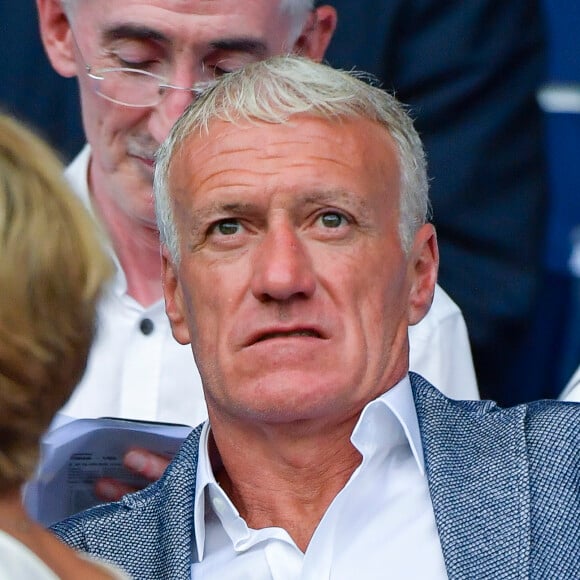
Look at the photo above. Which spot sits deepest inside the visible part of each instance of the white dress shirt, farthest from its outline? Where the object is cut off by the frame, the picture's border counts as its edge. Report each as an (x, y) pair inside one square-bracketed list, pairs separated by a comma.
[(137, 370), (440, 351), (380, 525)]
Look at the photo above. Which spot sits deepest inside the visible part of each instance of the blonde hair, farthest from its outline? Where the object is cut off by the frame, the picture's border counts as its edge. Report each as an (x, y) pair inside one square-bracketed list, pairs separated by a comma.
[(52, 271), (275, 89)]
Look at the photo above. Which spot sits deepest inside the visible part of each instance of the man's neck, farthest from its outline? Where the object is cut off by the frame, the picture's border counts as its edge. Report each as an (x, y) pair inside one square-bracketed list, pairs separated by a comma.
[(138, 253), (136, 245), (276, 479)]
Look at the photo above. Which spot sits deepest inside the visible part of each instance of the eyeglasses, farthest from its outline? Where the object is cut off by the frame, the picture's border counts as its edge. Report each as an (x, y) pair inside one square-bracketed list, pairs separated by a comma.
[(133, 87)]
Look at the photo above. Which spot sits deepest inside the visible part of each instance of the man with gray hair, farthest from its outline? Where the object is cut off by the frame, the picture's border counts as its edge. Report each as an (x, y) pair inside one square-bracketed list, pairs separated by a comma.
[(139, 63), (292, 203)]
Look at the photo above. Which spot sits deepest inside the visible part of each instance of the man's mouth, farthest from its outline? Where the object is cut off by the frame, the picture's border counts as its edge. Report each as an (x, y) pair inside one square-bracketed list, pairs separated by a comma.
[(149, 161), (286, 334), (143, 152)]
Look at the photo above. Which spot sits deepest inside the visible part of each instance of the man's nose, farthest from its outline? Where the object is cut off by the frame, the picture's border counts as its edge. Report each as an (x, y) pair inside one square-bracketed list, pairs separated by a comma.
[(282, 267), (174, 102)]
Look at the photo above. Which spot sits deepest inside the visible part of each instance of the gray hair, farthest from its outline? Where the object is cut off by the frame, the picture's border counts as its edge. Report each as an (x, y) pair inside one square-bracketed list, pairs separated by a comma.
[(296, 9), (293, 7), (272, 91), (66, 5)]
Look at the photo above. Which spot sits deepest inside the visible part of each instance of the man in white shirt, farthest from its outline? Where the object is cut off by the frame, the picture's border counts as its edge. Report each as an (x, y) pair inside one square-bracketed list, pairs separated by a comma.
[(138, 64), (292, 203)]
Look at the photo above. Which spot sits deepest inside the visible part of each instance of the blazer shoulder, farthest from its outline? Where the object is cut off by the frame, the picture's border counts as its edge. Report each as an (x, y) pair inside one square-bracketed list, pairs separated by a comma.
[(548, 430), (553, 428), (429, 397), (77, 530)]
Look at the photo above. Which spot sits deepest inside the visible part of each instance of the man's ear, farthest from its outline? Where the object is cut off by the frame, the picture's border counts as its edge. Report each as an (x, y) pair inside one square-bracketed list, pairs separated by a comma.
[(174, 301), (317, 33), (56, 36), (424, 265)]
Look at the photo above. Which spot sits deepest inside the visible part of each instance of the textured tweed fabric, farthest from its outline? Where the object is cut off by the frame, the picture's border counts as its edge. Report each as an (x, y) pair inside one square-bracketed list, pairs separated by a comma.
[(505, 486)]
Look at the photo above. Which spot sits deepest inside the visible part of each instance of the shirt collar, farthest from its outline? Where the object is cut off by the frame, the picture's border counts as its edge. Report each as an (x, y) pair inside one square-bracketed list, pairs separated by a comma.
[(77, 175), (391, 416), (204, 479), (385, 422)]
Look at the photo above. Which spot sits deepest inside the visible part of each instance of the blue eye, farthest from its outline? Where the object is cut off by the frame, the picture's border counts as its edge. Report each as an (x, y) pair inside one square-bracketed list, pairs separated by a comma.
[(332, 220)]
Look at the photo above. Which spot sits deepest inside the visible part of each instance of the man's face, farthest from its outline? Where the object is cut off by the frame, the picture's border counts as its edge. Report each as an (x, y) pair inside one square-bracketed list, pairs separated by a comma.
[(292, 287), (185, 40)]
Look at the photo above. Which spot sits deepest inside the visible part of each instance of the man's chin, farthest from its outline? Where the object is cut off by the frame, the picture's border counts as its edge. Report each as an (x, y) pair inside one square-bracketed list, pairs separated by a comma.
[(282, 400)]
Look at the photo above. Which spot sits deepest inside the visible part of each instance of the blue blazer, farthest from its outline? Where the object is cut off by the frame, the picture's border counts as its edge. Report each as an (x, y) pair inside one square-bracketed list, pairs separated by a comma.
[(505, 486)]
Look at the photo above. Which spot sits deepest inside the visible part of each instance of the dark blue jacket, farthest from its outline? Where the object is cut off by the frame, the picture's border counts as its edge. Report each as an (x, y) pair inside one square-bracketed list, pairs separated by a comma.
[(469, 69)]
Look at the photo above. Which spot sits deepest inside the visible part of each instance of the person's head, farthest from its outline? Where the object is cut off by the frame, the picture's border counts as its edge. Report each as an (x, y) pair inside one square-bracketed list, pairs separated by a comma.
[(51, 274), (185, 42), (292, 206)]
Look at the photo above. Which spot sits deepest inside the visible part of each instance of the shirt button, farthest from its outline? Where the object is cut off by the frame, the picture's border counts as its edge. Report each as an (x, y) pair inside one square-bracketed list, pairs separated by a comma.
[(147, 326)]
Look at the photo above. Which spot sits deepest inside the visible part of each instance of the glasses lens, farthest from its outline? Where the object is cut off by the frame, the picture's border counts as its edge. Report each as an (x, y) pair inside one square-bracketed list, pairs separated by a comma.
[(132, 87)]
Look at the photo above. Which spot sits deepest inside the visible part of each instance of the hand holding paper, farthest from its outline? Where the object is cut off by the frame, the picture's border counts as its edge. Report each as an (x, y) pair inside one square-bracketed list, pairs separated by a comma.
[(138, 461), (78, 454)]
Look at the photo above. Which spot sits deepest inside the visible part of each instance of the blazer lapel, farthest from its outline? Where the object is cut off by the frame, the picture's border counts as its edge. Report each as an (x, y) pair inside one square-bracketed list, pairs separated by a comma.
[(476, 463), (161, 523)]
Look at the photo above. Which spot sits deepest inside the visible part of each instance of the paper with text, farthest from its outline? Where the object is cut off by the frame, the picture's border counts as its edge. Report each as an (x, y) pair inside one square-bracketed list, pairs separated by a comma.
[(78, 453)]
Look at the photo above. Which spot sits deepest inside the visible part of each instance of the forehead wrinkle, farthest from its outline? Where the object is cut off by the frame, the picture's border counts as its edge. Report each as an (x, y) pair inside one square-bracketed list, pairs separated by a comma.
[(269, 152), (343, 161), (207, 179)]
